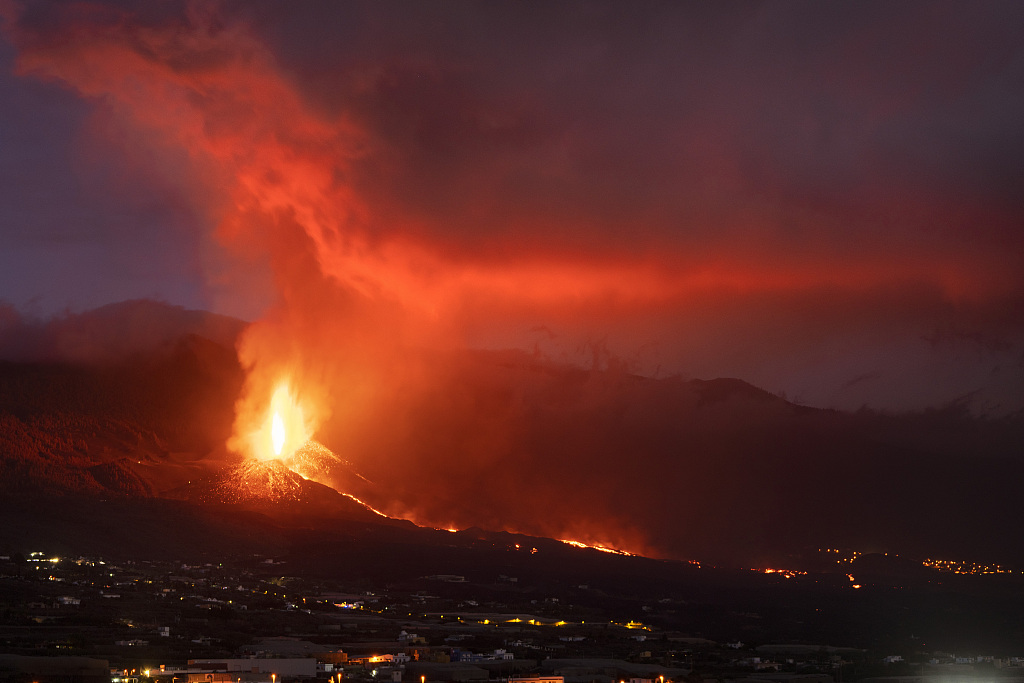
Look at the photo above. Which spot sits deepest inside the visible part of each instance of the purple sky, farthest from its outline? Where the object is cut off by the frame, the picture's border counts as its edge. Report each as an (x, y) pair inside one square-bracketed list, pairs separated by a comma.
[(823, 199)]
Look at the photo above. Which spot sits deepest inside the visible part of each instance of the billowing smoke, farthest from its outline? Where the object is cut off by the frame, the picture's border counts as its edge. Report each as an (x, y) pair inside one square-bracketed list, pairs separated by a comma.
[(390, 196)]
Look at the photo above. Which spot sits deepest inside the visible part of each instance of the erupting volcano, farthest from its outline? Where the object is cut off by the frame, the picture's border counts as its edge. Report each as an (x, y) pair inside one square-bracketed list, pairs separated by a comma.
[(283, 431), (280, 451), (259, 480), (484, 251), (277, 433)]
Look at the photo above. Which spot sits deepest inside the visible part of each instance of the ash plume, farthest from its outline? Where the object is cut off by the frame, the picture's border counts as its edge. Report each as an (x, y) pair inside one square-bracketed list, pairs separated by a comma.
[(404, 205)]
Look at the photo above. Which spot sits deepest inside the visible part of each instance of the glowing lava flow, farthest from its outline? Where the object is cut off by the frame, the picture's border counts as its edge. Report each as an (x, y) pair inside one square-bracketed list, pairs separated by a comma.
[(365, 505), (787, 573), (315, 461), (259, 480), (280, 479), (602, 548)]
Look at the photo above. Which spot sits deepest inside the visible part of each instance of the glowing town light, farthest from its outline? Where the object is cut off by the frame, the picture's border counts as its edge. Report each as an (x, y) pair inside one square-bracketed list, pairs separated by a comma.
[(277, 433)]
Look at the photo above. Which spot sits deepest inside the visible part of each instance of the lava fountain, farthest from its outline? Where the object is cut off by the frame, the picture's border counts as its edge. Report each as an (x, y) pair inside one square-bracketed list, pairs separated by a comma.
[(277, 433), (279, 450), (284, 430)]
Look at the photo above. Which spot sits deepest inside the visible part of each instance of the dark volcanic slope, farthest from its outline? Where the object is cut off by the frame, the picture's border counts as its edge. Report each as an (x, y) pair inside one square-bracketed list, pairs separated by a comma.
[(712, 470), (120, 428)]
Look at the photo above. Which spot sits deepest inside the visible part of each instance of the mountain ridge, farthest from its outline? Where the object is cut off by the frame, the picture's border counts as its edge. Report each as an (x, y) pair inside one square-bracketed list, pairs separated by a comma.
[(716, 470)]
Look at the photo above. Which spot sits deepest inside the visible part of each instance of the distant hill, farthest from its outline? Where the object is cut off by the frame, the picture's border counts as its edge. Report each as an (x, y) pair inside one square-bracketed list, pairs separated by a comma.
[(711, 470), (111, 333)]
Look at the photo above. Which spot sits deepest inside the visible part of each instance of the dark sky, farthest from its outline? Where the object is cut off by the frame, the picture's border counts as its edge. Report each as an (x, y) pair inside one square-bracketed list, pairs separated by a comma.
[(824, 199)]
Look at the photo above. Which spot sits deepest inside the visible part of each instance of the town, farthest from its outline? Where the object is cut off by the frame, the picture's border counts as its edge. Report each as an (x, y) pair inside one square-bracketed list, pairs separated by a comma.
[(90, 620)]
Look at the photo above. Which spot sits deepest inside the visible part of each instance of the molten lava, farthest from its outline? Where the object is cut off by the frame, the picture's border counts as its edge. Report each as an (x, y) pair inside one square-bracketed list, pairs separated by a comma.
[(602, 548), (284, 429), (280, 452), (259, 480), (277, 433)]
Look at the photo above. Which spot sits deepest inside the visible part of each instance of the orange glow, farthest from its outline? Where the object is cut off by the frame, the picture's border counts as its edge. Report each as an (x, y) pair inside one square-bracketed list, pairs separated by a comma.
[(313, 461), (786, 573), (259, 480), (371, 509), (364, 294), (277, 433), (283, 430), (281, 163), (602, 548)]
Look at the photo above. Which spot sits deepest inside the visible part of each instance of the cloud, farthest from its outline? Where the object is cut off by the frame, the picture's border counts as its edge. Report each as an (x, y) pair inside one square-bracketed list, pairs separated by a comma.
[(673, 181)]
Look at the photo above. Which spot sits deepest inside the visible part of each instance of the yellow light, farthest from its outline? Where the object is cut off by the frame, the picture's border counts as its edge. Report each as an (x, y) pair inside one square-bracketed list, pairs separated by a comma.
[(277, 433), (283, 428)]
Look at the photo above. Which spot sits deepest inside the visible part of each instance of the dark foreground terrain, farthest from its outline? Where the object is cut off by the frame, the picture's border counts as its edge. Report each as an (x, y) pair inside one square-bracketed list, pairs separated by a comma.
[(359, 588), (884, 604)]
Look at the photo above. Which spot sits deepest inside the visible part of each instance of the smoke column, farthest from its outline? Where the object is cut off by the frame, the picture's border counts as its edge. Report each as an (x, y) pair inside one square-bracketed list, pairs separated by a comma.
[(388, 210)]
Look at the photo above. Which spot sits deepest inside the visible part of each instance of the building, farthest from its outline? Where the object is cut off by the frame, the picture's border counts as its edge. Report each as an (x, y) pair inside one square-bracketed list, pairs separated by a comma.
[(282, 667)]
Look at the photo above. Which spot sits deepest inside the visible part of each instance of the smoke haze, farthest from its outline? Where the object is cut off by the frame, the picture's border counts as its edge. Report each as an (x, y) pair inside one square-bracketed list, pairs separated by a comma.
[(821, 200)]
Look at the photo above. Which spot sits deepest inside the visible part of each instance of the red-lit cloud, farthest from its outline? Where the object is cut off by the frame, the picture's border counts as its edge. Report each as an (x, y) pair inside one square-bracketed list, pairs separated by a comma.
[(820, 200)]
